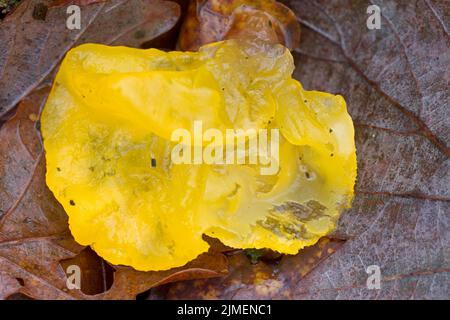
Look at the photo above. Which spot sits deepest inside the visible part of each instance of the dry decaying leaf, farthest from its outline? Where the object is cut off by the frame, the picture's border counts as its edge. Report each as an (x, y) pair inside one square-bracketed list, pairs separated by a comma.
[(396, 82), (34, 235), (214, 20), (35, 37)]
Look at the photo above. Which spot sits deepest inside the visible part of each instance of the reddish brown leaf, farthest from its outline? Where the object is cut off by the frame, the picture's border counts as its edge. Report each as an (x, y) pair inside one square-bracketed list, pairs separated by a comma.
[(214, 20), (57, 3), (9, 285), (128, 281), (33, 41)]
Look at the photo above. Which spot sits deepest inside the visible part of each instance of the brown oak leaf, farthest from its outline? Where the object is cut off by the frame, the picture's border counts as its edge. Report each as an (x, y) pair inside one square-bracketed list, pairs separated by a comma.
[(35, 37)]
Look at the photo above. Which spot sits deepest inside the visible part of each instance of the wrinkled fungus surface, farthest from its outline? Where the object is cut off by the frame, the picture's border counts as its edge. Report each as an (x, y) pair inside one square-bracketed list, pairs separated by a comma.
[(107, 126)]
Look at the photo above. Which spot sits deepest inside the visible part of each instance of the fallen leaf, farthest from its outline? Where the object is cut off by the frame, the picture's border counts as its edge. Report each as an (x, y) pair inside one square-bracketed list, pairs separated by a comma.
[(34, 38), (245, 280), (9, 285), (214, 20), (396, 83)]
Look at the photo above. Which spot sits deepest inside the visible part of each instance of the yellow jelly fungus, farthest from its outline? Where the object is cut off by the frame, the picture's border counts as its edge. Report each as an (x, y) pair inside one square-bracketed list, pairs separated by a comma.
[(107, 129)]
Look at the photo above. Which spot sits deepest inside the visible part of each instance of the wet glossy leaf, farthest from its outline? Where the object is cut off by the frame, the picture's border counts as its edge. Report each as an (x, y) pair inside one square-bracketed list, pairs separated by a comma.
[(214, 20)]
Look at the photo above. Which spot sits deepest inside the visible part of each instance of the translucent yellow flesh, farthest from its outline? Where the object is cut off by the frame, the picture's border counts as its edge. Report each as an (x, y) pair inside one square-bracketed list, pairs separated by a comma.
[(113, 109)]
